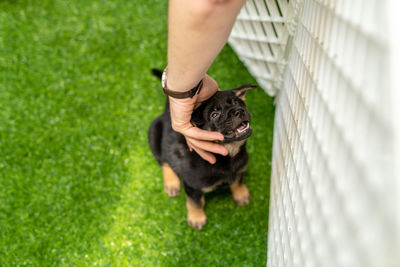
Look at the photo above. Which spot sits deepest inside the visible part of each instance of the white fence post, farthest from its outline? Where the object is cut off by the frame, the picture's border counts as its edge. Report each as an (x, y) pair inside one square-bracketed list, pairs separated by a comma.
[(333, 168)]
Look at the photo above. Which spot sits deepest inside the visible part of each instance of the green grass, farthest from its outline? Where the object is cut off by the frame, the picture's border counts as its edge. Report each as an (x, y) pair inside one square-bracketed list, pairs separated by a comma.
[(78, 183)]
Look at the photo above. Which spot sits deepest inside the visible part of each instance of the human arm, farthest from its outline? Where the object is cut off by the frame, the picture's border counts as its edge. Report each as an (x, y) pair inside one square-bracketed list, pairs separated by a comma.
[(197, 31)]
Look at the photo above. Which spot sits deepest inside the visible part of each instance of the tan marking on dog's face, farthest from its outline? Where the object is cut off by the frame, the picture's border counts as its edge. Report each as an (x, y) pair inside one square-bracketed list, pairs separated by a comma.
[(233, 147), (196, 216), (240, 193), (171, 181)]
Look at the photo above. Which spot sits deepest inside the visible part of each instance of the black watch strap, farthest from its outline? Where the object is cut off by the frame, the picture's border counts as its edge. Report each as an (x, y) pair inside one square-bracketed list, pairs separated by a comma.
[(179, 95)]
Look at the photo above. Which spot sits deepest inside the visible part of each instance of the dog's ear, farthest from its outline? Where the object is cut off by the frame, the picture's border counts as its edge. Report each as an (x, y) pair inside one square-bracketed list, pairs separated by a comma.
[(157, 73), (241, 91)]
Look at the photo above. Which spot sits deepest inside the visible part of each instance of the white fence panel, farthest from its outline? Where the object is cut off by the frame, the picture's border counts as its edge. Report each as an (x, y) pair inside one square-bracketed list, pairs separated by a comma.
[(333, 168)]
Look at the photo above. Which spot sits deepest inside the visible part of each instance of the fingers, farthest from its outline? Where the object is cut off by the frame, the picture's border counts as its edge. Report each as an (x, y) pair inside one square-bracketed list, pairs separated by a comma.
[(206, 156), (199, 134), (207, 146), (204, 148)]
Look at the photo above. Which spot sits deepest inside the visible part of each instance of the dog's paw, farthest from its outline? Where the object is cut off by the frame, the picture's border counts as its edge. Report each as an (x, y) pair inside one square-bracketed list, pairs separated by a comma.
[(171, 181), (241, 195), (172, 190), (197, 222)]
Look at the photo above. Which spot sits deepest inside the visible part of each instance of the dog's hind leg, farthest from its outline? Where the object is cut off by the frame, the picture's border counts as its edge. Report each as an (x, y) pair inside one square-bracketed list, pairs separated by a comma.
[(240, 192), (171, 181)]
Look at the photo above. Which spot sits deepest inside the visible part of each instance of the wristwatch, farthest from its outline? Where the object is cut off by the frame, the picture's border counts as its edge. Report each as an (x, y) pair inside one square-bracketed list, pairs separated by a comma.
[(180, 95)]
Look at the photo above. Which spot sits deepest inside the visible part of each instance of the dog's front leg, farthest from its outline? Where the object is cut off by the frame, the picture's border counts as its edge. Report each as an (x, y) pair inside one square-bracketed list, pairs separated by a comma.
[(195, 202), (171, 181)]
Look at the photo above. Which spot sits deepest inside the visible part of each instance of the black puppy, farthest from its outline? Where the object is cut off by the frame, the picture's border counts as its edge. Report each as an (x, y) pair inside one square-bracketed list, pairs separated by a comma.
[(224, 112)]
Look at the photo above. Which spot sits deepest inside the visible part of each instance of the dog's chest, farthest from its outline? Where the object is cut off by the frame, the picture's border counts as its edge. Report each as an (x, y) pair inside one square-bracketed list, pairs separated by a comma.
[(225, 172), (210, 188), (234, 147), (221, 181)]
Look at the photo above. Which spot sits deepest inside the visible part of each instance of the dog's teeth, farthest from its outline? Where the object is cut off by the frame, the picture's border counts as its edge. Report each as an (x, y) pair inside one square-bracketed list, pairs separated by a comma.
[(243, 127)]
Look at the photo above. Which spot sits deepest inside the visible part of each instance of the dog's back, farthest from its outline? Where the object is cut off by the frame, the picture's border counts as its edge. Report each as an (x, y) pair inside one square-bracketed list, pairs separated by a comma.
[(155, 137), (156, 130), (155, 133)]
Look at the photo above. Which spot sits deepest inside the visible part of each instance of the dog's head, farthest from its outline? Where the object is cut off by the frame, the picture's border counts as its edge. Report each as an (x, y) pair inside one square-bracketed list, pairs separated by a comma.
[(226, 112)]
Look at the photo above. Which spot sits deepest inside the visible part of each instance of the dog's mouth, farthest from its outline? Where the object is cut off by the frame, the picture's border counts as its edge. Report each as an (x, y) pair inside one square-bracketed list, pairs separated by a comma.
[(242, 131)]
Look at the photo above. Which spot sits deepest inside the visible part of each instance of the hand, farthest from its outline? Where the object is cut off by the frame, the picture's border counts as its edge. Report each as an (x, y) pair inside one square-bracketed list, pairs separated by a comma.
[(197, 139)]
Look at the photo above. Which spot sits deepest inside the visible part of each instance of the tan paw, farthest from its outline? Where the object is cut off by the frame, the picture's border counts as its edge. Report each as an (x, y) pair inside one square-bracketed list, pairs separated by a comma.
[(198, 221), (172, 190), (172, 184), (241, 195)]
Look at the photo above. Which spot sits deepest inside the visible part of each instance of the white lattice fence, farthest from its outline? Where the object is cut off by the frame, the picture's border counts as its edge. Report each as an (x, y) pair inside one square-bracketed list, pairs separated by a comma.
[(259, 38), (333, 168)]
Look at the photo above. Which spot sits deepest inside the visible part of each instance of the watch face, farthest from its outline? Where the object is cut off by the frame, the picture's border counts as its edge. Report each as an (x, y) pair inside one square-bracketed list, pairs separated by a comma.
[(164, 78)]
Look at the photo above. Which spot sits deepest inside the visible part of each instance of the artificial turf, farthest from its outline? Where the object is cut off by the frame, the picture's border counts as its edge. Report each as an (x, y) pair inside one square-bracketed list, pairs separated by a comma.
[(78, 183)]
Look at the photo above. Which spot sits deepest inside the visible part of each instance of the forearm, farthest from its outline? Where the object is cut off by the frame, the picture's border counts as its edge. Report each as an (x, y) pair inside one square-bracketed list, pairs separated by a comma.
[(197, 31)]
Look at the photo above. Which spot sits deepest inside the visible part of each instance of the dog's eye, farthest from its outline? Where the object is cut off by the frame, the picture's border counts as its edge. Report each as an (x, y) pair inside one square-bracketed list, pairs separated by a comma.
[(214, 114)]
